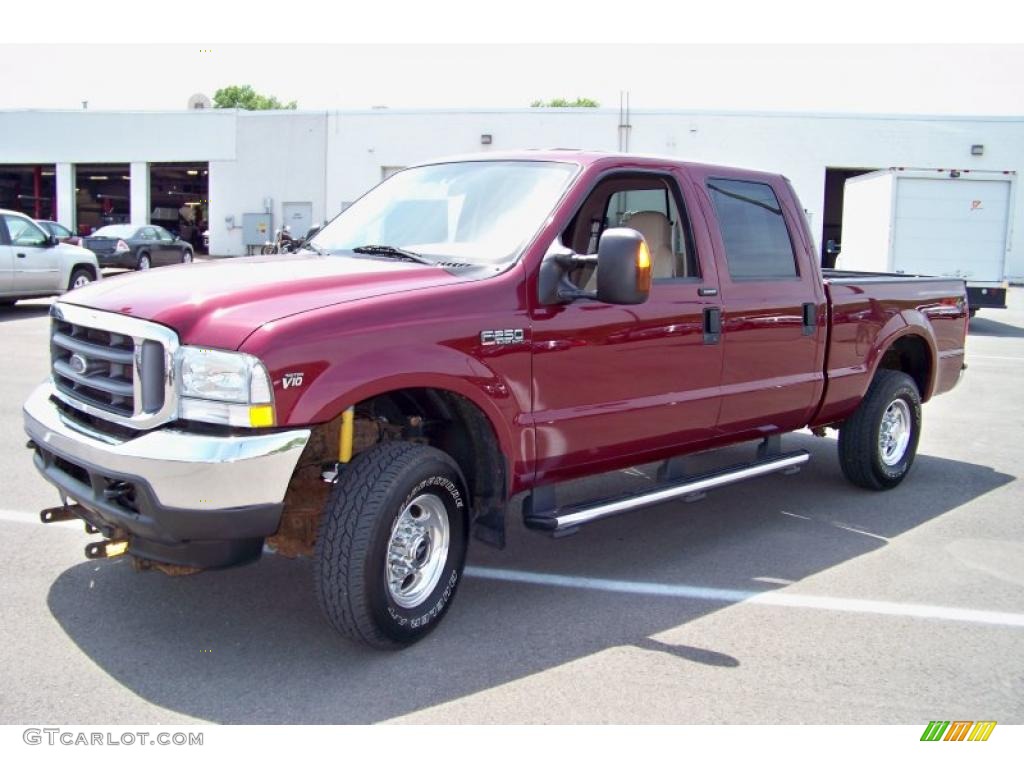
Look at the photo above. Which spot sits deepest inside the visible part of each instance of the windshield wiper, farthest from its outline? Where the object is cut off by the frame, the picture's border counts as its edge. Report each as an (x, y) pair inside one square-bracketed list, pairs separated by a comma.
[(315, 249), (390, 251)]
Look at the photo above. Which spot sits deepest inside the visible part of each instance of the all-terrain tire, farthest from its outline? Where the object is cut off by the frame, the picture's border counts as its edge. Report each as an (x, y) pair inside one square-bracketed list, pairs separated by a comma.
[(878, 442), (357, 541)]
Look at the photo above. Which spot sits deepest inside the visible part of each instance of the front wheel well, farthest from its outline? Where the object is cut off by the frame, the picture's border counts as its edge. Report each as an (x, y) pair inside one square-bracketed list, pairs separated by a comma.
[(911, 355), (87, 267), (440, 418)]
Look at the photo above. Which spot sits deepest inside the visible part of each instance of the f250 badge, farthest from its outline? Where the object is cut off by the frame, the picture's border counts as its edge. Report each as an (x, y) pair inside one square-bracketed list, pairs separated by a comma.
[(290, 380), (506, 336)]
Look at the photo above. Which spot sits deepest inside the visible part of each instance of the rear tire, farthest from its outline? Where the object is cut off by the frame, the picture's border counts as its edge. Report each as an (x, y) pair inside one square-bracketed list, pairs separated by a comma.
[(80, 277), (392, 544), (144, 262), (878, 443)]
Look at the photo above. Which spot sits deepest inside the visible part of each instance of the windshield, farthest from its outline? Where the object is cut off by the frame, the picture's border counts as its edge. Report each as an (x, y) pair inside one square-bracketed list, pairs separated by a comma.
[(115, 230), (479, 212)]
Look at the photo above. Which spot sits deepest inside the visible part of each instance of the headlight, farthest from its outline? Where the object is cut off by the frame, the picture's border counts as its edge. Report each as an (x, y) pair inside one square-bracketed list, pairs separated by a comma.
[(224, 388)]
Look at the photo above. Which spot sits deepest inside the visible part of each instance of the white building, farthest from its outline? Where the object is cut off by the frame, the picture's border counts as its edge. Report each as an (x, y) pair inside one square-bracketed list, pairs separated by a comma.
[(83, 166)]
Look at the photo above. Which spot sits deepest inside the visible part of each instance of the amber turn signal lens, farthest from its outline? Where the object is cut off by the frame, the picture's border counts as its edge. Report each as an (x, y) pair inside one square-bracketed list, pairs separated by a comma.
[(643, 266), (261, 416)]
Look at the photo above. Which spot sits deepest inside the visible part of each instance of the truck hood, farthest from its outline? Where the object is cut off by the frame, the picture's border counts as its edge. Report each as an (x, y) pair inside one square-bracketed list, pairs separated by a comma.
[(220, 303)]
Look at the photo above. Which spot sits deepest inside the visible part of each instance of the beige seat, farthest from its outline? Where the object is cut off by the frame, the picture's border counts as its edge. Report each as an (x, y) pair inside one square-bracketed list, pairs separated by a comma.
[(657, 231)]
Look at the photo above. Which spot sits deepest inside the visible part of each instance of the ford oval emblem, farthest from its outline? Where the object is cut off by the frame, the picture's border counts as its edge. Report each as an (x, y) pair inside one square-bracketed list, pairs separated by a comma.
[(78, 364)]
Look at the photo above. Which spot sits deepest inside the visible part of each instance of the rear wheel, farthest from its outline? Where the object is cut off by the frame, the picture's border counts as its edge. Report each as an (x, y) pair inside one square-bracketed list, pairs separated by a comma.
[(80, 277), (878, 443), (144, 261), (392, 544)]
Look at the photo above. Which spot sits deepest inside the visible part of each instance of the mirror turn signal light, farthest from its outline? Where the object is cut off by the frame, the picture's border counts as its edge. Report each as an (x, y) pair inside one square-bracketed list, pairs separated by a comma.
[(643, 266)]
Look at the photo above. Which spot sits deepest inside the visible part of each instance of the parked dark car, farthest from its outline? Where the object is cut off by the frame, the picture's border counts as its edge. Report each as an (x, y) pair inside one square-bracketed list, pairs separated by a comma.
[(58, 230), (137, 247)]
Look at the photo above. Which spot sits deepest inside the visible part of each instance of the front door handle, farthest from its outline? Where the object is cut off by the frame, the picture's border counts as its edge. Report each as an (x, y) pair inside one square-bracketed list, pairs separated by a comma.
[(21, 255), (810, 318), (707, 291), (712, 325)]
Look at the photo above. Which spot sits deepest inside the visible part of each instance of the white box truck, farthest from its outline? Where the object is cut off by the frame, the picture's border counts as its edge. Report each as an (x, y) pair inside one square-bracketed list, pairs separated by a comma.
[(939, 222)]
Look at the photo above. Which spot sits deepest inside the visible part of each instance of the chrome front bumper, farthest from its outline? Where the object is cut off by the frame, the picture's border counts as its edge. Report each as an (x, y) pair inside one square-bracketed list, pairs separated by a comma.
[(183, 498), (184, 470)]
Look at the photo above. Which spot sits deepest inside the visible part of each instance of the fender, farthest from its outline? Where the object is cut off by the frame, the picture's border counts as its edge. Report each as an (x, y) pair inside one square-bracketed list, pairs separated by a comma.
[(914, 323), (845, 387)]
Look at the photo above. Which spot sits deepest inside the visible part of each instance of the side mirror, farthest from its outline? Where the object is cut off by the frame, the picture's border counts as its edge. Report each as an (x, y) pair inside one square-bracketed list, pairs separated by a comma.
[(52, 241), (623, 267), (623, 264), (177, 238)]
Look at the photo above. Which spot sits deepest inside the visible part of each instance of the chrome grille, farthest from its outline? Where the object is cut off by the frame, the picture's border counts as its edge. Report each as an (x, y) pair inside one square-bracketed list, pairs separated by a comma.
[(112, 366), (94, 366)]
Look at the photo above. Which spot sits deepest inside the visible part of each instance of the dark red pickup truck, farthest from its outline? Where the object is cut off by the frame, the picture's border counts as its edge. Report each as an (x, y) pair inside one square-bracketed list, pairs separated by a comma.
[(471, 331)]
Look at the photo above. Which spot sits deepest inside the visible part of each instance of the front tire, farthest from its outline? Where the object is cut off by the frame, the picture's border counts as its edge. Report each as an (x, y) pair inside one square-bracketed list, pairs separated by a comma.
[(392, 544), (186, 256), (878, 443), (80, 277)]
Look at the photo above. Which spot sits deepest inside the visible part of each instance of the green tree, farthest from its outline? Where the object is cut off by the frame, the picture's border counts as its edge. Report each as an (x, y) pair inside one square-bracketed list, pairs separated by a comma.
[(244, 97), (578, 102)]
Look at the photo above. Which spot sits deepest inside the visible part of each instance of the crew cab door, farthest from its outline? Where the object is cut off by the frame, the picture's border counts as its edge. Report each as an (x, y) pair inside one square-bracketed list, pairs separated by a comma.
[(36, 264), (613, 384), (773, 305)]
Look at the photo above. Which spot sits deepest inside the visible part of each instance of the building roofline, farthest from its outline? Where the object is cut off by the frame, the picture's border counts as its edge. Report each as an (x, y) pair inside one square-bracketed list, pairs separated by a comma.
[(579, 111)]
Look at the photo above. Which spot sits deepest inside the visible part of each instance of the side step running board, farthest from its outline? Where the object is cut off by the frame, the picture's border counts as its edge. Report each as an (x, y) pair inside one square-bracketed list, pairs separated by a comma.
[(566, 519)]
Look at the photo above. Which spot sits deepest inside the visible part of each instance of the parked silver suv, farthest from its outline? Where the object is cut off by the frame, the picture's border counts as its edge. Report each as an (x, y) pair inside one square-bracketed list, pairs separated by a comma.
[(34, 263)]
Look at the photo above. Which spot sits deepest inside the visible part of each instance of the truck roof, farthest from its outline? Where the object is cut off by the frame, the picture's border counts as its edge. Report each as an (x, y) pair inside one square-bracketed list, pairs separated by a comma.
[(593, 157)]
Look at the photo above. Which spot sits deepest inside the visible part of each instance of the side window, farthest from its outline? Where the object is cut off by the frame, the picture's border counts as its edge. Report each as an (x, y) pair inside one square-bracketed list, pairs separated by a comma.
[(24, 232), (757, 243), (148, 233), (648, 205), (164, 235)]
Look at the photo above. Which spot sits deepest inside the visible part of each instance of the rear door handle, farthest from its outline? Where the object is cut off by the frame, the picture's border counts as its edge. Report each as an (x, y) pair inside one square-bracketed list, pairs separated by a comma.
[(21, 255), (712, 325), (707, 291)]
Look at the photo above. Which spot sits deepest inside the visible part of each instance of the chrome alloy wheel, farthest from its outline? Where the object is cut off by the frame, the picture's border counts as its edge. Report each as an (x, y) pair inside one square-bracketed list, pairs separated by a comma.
[(81, 281), (894, 433), (417, 550)]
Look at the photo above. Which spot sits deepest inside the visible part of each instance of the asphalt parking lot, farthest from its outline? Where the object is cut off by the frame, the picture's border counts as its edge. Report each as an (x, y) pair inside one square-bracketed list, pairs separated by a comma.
[(785, 600)]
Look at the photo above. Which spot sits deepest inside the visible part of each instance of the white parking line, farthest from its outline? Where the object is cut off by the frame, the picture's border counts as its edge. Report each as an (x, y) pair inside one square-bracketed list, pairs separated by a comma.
[(994, 357), (778, 598), (29, 518)]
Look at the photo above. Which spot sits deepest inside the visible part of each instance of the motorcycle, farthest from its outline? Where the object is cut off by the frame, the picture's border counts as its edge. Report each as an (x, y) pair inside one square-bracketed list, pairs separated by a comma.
[(283, 242)]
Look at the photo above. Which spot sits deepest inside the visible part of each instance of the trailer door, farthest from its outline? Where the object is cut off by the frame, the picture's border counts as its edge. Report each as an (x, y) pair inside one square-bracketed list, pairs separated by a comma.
[(951, 227)]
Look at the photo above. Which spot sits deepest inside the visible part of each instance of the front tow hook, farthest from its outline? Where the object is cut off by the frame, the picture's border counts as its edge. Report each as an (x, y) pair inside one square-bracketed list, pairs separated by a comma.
[(59, 514), (104, 549)]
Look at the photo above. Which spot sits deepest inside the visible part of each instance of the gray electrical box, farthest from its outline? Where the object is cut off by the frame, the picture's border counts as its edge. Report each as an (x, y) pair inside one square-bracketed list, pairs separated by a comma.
[(256, 228)]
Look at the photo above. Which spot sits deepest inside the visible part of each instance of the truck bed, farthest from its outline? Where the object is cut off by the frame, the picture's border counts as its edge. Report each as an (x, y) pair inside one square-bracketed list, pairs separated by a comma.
[(868, 311)]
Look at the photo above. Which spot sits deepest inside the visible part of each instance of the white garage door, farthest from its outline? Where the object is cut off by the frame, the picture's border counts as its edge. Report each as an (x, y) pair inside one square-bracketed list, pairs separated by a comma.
[(951, 228)]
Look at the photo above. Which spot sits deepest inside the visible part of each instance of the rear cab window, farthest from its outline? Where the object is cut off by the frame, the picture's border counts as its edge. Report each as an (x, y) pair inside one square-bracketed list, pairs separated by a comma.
[(757, 242)]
